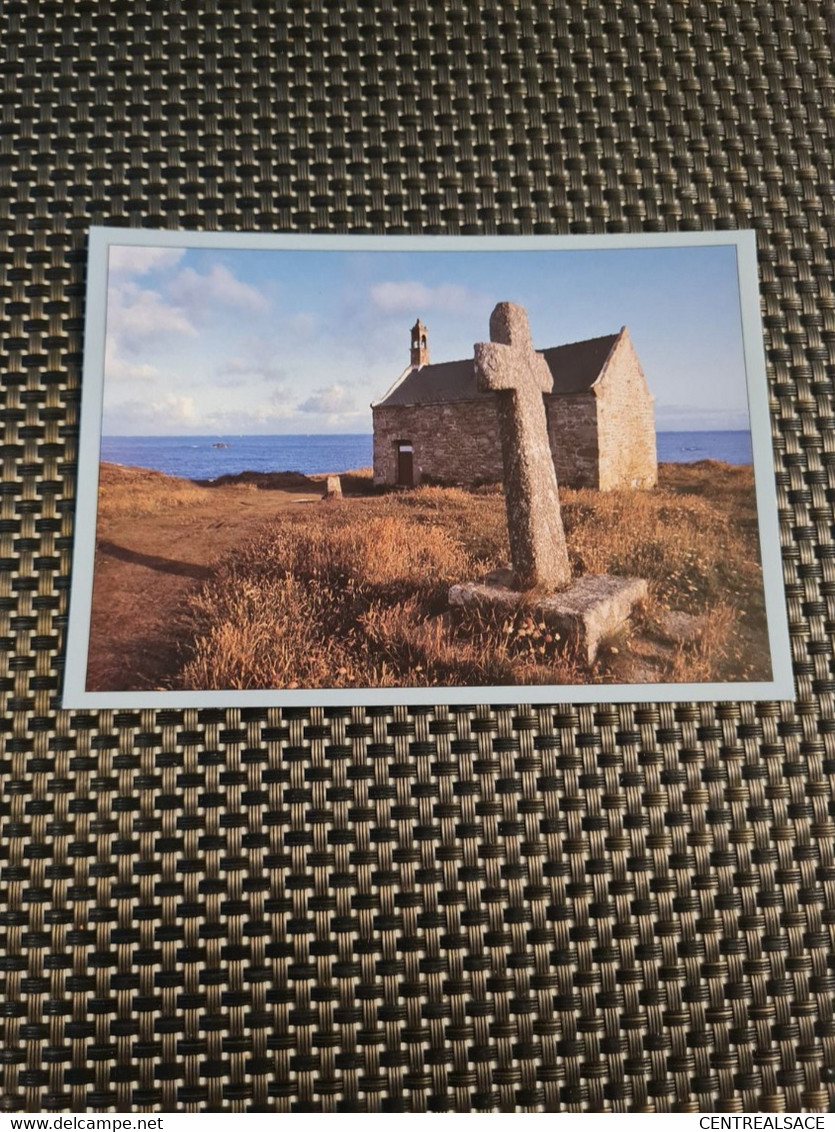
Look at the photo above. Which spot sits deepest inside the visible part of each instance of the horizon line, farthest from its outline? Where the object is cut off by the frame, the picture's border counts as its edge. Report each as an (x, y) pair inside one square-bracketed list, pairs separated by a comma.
[(249, 435)]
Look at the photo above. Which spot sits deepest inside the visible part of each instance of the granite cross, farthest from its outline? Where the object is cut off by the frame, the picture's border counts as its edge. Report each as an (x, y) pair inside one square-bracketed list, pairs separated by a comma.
[(509, 366)]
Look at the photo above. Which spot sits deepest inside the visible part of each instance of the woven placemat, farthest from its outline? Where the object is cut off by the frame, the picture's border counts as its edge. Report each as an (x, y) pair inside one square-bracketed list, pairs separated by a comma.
[(469, 908)]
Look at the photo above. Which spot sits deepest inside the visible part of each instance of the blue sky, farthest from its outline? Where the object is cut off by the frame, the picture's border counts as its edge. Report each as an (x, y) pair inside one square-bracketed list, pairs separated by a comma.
[(230, 342)]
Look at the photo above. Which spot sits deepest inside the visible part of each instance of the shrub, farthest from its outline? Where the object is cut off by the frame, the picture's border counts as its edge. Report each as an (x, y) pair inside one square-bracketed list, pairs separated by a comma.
[(355, 595)]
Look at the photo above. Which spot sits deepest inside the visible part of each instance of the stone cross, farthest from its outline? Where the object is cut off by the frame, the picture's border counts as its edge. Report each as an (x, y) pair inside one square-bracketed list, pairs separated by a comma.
[(509, 366)]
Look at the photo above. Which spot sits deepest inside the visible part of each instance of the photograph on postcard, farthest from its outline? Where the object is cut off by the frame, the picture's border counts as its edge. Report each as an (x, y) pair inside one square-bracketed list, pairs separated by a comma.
[(418, 465)]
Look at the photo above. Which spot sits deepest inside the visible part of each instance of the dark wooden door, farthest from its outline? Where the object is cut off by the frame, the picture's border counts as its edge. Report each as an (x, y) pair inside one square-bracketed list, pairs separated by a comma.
[(405, 466)]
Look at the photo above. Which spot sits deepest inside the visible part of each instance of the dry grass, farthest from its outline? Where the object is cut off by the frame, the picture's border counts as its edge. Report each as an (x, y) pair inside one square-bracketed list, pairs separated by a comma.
[(136, 492), (355, 594), (695, 549), (356, 481), (334, 603)]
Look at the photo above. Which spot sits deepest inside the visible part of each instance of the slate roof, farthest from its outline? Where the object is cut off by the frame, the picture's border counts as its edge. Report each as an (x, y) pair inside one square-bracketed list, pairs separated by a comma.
[(575, 366)]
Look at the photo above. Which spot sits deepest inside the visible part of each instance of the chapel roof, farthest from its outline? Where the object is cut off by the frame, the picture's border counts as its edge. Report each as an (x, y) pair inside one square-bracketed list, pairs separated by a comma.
[(575, 368)]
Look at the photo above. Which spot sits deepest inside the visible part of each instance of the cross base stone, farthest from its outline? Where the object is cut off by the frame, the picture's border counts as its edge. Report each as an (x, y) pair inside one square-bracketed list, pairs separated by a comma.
[(584, 614)]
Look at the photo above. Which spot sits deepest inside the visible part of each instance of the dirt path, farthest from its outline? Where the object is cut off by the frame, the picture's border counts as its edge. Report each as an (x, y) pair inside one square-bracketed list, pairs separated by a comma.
[(147, 564)]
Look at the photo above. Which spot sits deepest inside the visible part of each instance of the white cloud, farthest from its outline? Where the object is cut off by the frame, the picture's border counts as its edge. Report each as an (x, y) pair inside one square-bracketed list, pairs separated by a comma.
[(171, 415), (137, 315), (332, 401), (253, 359), (302, 324), (413, 297), (244, 420), (126, 260), (195, 292), (119, 368), (170, 411), (240, 371)]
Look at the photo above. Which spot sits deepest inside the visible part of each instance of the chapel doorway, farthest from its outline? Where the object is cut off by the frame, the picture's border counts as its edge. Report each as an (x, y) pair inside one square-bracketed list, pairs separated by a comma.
[(405, 464)]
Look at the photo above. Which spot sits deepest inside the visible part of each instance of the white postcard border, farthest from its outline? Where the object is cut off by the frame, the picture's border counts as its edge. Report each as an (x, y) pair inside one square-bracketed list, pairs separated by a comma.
[(75, 694)]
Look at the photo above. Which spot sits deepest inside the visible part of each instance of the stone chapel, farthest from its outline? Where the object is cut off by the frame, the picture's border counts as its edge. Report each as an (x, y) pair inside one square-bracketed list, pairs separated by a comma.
[(434, 425)]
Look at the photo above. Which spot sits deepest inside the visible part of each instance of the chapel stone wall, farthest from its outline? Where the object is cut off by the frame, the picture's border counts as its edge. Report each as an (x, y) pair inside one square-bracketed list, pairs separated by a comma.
[(572, 433), (455, 443), (626, 423)]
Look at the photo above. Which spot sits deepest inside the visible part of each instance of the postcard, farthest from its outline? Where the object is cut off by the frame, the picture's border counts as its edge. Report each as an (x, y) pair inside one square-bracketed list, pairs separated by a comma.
[(376, 470)]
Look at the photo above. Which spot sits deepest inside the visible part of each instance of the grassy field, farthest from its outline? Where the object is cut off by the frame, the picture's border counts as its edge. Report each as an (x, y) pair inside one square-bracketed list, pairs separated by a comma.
[(353, 592)]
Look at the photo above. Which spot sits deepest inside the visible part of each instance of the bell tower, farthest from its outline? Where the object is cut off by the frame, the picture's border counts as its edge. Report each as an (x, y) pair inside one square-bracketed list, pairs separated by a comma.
[(420, 349)]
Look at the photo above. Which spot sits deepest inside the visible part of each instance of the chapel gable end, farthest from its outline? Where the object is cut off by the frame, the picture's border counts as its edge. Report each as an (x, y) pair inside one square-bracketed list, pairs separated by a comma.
[(625, 420), (623, 369)]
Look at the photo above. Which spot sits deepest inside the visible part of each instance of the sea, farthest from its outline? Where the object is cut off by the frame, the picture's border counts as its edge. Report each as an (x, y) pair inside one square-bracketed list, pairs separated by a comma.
[(207, 457)]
